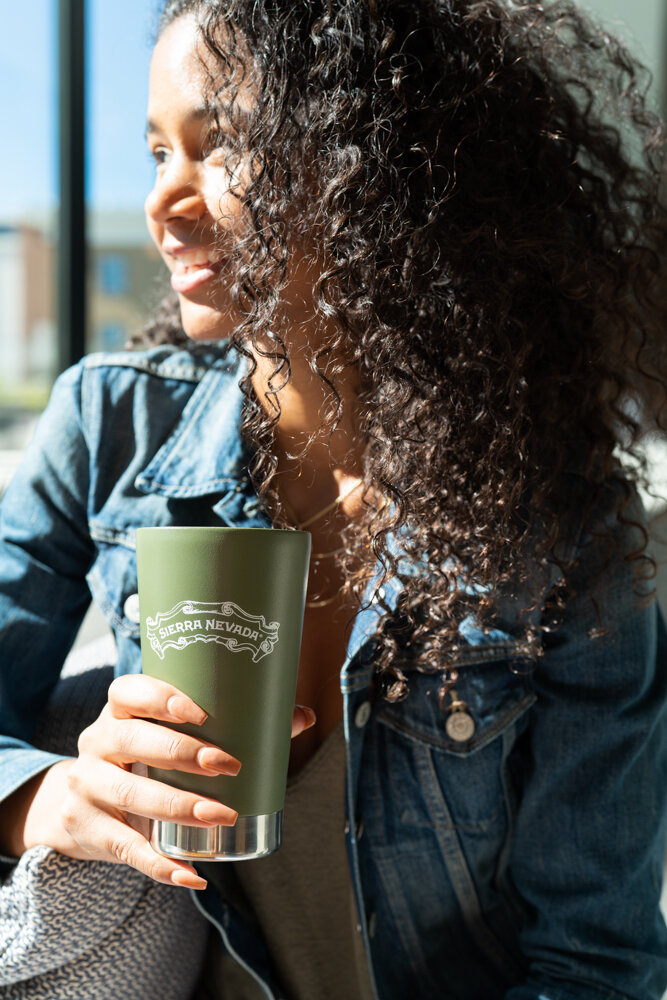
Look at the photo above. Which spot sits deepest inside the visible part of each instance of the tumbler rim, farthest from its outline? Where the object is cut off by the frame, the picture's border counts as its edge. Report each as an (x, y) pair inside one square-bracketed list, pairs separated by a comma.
[(219, 528)]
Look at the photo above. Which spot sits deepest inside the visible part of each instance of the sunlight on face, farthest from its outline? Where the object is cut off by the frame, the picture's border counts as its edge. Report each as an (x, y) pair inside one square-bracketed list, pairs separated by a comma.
[(194, 212)]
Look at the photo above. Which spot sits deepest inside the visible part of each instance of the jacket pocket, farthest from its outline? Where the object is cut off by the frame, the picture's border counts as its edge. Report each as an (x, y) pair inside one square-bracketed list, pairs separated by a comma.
[(458, 743)]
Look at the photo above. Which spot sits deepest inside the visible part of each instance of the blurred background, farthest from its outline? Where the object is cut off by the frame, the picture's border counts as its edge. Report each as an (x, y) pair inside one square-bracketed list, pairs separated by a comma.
[(72, 183)]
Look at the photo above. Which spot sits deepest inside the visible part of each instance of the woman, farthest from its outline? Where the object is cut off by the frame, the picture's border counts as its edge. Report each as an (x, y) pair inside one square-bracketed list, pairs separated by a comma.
[(417, 267)]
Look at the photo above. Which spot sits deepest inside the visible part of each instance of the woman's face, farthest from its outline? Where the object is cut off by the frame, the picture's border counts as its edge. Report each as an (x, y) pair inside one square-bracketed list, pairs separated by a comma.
[(193, 212)]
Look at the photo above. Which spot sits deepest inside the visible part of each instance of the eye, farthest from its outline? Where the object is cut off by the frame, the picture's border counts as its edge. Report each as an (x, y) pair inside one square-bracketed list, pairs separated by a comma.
[(158, 155)]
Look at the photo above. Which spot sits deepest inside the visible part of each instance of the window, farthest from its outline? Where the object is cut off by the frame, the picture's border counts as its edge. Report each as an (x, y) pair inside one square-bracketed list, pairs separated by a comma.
[(125, 274), (28, 220), (642, 24)]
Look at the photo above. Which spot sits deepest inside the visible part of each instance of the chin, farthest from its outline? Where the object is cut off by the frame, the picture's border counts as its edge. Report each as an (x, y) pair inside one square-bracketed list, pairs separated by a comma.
[(204, 322)]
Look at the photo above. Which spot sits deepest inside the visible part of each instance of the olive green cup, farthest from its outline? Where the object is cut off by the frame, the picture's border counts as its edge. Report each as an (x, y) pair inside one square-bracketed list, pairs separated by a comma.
[(221, 619)]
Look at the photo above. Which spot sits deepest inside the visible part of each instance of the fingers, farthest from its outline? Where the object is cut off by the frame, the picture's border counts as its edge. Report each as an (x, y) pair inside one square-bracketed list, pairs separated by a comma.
[(104, 795), (130, 740), (111, 789), (139, 696), (106, 838), (123, 735), (302, 718), (94, 814)]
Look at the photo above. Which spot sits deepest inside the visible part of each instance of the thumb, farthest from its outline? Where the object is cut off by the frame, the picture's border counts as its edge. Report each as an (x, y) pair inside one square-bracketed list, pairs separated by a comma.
[(302, 718)]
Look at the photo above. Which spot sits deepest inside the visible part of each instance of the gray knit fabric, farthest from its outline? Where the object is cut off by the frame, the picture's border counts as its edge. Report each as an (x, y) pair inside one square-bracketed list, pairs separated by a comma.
[(89, 930)]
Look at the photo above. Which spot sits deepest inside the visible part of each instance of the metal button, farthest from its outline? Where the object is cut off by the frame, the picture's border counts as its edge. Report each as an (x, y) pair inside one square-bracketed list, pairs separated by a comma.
[(460, 726), (362, 715), (131, 609), (372, 925)]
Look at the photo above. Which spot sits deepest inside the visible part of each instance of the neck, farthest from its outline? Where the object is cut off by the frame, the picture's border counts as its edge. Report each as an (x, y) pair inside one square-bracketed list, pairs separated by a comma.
[(314, 467), (305, 450)]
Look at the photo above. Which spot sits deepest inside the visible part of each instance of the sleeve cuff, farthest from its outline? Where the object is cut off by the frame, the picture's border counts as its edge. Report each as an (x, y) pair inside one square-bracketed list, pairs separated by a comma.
[(18, 765)]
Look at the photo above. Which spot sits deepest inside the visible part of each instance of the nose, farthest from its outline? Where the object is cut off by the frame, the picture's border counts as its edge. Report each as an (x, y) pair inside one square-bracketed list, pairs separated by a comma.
[(176, 193)]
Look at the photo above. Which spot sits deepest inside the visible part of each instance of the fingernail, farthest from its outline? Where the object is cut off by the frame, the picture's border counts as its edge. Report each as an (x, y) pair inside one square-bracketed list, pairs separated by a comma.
[(311, 718), (220, 763), (183, 710), (213, 812), (188, 879)]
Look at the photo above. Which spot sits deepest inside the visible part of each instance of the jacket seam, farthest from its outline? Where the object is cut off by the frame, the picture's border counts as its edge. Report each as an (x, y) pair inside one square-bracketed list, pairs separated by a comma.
[(491, 653), (112, 536), (457, 865), (184, 492), (109, 612), (488, 734), (264, 987), (163, 369)]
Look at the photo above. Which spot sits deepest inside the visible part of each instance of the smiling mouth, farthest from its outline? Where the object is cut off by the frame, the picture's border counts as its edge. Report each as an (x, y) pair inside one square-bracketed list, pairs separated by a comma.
[(188, 275)]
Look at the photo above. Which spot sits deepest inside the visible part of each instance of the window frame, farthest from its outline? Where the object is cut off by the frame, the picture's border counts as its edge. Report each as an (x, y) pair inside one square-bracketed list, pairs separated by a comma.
[(72, 248)]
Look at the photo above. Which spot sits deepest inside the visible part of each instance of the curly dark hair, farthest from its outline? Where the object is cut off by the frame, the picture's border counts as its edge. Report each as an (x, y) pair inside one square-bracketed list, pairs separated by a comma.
[(484, 178)]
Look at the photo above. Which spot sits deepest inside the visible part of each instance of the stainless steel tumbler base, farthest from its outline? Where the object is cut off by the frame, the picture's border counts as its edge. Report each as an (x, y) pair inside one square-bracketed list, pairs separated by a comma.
[(250, 837)]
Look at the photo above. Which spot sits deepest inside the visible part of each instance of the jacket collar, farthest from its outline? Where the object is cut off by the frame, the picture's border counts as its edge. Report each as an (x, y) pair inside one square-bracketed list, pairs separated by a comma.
[(204, 454)]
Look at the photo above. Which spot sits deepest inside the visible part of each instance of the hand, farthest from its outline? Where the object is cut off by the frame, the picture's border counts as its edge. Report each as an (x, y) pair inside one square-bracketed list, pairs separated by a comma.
[(84, 807)]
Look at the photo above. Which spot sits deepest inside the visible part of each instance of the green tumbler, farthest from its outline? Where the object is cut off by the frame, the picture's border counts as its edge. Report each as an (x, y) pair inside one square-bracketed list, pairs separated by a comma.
[(221, 619)]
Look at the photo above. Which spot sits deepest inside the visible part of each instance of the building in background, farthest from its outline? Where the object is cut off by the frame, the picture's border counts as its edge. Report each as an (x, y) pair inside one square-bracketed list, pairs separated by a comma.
[(125, 279), (27, 330)]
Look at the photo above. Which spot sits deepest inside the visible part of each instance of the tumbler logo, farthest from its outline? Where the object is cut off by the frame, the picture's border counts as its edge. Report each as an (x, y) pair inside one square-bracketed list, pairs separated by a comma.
[(225, 623)]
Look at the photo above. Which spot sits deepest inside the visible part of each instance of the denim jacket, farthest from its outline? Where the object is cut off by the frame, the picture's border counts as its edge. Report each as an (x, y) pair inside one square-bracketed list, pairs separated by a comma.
[(514, 854)]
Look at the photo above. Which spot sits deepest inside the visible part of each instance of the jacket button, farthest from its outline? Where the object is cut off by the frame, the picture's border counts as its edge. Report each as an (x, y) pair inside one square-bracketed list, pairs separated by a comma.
[(131, 609), (460, 726), (359, 829), (362, 715), (372, 925)]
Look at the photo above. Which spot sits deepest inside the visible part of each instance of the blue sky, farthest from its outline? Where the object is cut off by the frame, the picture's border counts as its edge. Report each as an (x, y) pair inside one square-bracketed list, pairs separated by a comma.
[(119, 43)]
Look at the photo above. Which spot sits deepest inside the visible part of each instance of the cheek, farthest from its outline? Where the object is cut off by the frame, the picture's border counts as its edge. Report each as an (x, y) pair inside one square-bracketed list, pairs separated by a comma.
[(227, 212), (224, 199), (154, 230)]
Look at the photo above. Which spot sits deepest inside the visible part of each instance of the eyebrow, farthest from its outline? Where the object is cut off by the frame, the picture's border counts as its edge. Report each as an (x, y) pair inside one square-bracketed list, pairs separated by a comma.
[(195, 114)]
